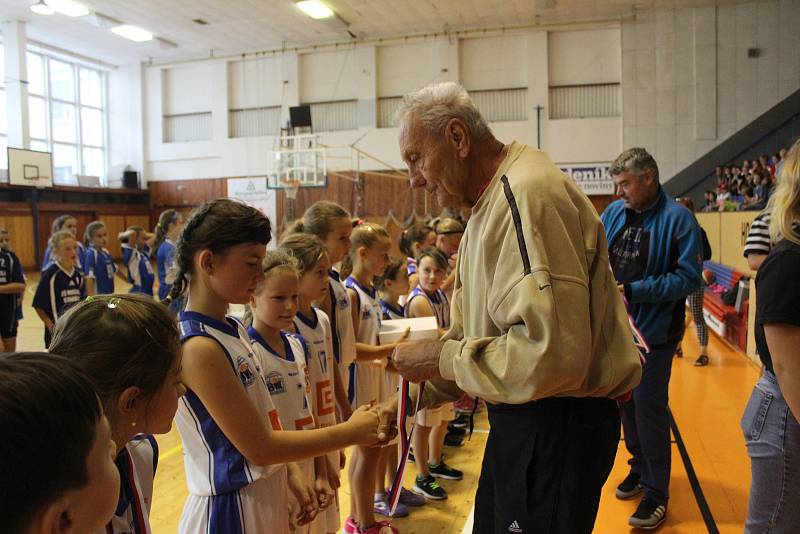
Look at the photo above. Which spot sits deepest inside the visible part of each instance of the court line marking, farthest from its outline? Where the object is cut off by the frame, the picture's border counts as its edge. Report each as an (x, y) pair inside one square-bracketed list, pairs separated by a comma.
[(694, 482), (170, 452)]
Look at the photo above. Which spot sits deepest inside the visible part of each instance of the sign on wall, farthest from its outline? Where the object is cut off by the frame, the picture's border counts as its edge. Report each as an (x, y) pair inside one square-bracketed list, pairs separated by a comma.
[(593, 179), (253, 191)]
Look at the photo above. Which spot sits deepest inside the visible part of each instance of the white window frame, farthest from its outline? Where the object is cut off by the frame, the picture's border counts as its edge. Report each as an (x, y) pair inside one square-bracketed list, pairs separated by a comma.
[(49, 99)]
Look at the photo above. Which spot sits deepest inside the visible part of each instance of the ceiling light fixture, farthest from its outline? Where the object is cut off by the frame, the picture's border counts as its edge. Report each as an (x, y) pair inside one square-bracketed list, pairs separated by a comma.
[(133, 33), (69, 8), (40, 8), (315, 9)]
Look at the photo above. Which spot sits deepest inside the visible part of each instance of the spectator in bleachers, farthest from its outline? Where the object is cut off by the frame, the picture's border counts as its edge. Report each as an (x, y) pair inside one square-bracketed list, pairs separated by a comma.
[(711, 201), (746, 186)]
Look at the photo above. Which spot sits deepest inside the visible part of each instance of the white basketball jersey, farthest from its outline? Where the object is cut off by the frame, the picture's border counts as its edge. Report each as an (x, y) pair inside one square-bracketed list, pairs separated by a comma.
[(439, 304), (136, 463), (213, 464), (344, 340), (316, 331), (369, 310), (287, 379)]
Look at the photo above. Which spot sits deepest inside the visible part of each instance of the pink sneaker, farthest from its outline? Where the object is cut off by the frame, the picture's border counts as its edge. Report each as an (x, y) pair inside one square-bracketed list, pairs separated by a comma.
[(350, 526), (381, 527)]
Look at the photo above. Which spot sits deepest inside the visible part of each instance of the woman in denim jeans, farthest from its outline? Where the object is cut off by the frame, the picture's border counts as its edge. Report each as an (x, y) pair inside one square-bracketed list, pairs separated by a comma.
[(770, 425)]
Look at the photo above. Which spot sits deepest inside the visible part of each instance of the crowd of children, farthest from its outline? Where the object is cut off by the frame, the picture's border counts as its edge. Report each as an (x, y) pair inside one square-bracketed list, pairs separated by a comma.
[(261, 405)]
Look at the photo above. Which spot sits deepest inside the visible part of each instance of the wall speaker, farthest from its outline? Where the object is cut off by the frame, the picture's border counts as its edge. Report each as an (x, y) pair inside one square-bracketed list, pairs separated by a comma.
[(130, 180)]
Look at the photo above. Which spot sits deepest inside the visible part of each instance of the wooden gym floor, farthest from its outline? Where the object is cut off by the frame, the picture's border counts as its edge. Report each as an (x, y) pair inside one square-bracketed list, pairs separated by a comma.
[(706, 403)]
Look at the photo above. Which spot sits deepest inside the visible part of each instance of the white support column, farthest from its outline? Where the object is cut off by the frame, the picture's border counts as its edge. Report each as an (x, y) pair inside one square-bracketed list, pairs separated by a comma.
[(449, 60), (219, 101), (16, 77), (366, 63), (705, 72), (538, 85)]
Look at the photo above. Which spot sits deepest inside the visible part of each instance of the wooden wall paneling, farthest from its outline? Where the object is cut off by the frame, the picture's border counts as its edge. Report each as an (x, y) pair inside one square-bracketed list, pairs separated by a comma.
[(20, 232), (711, 223), (114, 225), (138, 220)]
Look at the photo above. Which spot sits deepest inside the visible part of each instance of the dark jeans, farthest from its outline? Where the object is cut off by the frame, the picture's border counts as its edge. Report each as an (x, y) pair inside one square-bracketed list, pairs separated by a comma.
[(645, 422), (545, 464)]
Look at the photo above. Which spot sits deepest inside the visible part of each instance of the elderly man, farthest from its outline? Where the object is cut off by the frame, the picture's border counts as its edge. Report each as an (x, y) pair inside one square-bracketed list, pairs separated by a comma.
[(538, 327), (655, 251)]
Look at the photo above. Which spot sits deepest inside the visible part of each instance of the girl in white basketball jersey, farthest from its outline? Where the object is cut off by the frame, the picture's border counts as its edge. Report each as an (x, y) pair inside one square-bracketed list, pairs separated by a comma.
[(427, 299), (331, 223), (283, 359), (369, 254), (314, 326), (234, 446), (129, 346), (393, 285)]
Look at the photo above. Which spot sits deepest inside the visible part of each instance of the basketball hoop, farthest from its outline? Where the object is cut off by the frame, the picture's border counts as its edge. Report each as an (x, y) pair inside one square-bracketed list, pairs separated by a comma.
[(290, 188)]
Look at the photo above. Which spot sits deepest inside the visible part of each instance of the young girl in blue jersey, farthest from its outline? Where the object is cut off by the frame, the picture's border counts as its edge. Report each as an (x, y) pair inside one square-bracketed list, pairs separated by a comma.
[(136, 250), (331, 223), (61, 284), (98, 267), (369, 256), (70, 224), (12, 288), (56, 455), (130, 348), (428, 300), (413, 239), (170, 224), (234, 445)]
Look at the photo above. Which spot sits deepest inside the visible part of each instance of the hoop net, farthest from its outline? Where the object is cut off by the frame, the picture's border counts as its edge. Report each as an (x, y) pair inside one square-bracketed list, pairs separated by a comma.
[(291, 187)]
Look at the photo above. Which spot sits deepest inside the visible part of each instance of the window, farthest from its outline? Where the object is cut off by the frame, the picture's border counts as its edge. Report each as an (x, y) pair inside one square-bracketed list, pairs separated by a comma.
[(67, 114), (3, 117)]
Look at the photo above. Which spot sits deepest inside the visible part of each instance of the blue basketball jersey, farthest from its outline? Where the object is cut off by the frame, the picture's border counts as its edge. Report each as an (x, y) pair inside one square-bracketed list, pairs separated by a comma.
[(165, 265), (392, 311), (214, 465), (100, 265), (58, 290), (140, 270), (438, 301)]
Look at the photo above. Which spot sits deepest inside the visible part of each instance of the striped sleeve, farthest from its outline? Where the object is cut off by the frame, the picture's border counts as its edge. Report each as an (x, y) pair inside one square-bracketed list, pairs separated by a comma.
[(758, 241)]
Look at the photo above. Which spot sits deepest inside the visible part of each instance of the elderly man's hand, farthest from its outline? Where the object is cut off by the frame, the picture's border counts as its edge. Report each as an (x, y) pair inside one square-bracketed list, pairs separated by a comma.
[(418, 361)]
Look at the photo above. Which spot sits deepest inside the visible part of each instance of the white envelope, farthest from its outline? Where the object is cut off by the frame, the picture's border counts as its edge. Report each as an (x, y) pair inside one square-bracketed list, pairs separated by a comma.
[(422, 328)]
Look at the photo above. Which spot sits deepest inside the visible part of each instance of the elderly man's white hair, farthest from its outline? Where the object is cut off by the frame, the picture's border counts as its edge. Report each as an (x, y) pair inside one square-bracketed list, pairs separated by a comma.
[(436, 104)]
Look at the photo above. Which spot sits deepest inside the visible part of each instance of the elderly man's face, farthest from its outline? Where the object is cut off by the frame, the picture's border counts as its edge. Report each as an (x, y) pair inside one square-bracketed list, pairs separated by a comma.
[(432, 163)]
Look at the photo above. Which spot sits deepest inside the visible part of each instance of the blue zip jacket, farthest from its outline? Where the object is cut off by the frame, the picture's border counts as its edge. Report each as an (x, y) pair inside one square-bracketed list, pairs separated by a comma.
[(673, 266)]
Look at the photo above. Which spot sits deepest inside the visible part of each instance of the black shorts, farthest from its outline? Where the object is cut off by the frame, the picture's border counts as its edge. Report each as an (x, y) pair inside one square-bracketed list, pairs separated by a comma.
[(8, 322)]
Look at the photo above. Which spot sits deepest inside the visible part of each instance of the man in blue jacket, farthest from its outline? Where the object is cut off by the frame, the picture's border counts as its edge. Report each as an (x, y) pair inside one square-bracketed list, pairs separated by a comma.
[(655, 253)]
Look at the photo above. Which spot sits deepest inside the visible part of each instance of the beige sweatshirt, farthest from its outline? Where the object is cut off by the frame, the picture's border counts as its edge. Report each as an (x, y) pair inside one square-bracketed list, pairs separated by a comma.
[(535, 311)]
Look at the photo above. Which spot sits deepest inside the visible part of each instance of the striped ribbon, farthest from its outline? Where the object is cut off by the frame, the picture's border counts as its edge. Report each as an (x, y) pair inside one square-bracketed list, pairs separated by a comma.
[(405, 440), (638, 337)]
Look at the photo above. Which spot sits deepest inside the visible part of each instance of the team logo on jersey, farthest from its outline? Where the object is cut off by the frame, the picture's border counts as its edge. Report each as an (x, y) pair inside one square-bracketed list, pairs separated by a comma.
[(275, 383), (343, 302), (245, 372)]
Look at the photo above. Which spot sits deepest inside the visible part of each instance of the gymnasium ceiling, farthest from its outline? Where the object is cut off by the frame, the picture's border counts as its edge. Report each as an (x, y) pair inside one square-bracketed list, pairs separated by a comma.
[(236, 26)]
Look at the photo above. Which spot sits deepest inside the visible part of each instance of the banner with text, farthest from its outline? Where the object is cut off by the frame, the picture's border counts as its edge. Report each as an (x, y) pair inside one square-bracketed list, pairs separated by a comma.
[(593, 179), (253, 191)]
